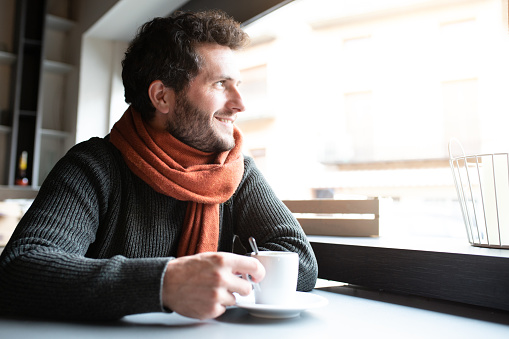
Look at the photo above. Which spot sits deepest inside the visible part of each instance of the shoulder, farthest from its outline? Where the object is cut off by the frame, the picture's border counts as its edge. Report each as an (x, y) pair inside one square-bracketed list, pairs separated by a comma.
[(250, 169), (94, 145), (93, 166), (93, 152), (248, 162), (94, 157), (252, 178)]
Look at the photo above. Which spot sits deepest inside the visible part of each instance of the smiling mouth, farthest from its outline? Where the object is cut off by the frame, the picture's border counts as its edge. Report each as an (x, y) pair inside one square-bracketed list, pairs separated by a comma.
[(226, 121)]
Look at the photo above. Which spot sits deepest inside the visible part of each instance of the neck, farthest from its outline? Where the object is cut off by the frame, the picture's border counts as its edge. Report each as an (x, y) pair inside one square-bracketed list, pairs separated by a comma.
[(158, 122)]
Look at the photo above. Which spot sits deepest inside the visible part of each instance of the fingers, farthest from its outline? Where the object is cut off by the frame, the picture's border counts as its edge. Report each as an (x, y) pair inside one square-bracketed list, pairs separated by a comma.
[(246, 265), (227, 299), (239, 285), (201, 286), (230, 266)]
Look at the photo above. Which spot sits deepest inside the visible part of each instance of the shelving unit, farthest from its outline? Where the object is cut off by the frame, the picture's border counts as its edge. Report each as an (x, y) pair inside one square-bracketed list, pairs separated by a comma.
[(54, 130), (35, 121), (7, 62)]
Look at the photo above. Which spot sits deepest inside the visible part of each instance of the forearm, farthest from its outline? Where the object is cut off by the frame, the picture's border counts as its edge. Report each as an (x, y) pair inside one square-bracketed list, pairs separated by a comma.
[(36, 280), (259, 213), (47, 268)]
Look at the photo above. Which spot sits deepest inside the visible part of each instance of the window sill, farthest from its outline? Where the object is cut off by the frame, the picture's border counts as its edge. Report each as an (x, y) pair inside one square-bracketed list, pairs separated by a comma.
[(442, 268)]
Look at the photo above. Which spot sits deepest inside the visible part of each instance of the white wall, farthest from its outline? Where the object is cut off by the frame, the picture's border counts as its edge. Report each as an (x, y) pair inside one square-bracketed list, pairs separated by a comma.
[(95, 88), (101, 93), (117, 102)]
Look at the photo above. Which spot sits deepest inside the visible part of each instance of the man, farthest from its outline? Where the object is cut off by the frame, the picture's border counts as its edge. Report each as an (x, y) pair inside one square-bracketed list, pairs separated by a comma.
[(143, 219)]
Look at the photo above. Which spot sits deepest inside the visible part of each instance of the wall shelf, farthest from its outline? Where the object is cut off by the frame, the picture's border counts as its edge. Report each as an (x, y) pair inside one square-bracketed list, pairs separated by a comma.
[(57, 67), (7, 58), (54, 133), (27, 113), (33, 43), (5, 129), (17, 192), (58, 23)]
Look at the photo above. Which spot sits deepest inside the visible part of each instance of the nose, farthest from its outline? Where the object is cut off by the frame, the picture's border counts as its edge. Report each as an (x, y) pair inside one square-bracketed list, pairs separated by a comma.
[(235, 102)]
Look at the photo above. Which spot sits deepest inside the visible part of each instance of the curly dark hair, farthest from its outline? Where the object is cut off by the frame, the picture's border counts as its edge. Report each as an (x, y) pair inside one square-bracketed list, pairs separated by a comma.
[(164, 49)]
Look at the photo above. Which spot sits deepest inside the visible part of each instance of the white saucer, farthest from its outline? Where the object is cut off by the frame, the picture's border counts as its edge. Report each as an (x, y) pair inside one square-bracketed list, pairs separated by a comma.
[(303, 301)]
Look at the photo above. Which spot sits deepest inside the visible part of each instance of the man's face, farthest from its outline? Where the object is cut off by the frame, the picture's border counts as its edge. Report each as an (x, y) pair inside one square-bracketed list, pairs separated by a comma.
[(204, 113)]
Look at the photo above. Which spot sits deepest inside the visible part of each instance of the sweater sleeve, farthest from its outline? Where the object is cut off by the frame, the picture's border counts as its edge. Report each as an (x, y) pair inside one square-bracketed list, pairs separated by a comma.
[(44, 269), (259, 213)]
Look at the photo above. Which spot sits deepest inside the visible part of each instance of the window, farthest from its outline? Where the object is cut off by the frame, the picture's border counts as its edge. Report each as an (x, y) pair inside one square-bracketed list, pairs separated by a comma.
[(258, 155), (356, 63), (461, 117), (365, 96), (458, 48), (359, 125), (254, 92)]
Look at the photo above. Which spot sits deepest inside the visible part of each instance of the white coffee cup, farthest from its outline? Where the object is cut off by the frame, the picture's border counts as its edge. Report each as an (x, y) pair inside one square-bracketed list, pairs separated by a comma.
[(279, 285)]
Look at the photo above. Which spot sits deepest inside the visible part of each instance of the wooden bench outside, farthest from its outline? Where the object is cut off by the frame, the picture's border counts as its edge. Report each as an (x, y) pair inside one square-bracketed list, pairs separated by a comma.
[(347, 218)]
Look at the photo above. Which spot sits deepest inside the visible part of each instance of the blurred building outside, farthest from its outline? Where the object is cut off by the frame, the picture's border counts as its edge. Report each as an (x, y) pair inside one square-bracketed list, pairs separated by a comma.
[(359, 98)]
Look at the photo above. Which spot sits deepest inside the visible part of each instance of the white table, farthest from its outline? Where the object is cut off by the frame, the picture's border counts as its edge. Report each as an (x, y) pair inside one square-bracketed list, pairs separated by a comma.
[(351, 313)]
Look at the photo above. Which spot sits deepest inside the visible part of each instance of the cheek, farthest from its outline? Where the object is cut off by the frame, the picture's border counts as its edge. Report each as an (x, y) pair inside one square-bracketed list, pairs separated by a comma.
[(207, 101), (204, 101), (211, 105)]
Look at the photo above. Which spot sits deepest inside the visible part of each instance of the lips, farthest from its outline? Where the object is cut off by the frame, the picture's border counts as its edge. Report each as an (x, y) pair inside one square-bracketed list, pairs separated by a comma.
[(228, 120)]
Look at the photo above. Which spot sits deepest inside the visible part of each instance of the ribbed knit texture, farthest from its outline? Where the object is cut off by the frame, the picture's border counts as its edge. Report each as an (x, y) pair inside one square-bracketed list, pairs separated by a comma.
[(175, 169), (97, 239)]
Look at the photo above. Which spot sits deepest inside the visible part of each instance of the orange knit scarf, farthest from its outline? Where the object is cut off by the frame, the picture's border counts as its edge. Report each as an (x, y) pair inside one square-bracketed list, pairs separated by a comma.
[(172, 168)]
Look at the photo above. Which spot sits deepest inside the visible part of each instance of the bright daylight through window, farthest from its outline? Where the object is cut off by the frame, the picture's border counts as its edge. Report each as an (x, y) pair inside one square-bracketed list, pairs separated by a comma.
[(352, 98)]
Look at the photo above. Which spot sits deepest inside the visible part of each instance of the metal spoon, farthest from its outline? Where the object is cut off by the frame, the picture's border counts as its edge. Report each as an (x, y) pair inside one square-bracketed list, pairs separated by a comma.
[(252, 242)]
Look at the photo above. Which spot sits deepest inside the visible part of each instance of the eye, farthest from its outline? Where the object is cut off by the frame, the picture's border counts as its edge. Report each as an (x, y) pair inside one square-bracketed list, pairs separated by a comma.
[(220, 84)]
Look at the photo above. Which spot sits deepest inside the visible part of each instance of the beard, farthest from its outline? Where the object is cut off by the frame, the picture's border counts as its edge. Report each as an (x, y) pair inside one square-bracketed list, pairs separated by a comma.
[(196, 128)]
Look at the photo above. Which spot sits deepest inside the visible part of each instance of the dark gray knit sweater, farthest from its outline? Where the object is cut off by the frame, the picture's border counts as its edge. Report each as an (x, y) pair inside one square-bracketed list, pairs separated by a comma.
[(97, 239)]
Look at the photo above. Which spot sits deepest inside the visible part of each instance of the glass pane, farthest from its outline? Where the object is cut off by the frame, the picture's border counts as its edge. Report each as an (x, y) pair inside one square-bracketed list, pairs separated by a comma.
[(366, 95)]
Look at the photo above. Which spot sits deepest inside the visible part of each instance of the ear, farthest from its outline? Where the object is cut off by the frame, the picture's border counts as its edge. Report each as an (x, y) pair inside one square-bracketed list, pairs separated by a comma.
[(162, 97)]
